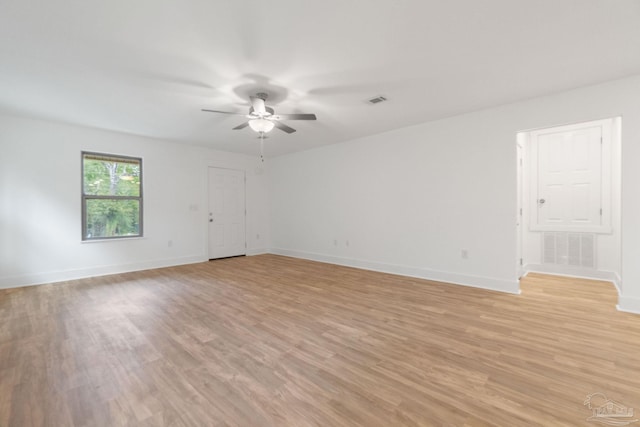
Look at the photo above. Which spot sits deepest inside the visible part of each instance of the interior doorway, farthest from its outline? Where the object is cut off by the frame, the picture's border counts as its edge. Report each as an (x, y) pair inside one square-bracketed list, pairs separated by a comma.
[(569, 200), (227, 213)]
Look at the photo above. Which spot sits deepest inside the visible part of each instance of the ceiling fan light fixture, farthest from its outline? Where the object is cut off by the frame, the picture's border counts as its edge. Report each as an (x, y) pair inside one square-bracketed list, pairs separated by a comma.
[(261, 125), (262, 118)]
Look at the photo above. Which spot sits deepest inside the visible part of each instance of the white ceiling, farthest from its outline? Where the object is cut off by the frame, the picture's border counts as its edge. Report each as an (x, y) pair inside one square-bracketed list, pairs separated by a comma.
[(147, 67)]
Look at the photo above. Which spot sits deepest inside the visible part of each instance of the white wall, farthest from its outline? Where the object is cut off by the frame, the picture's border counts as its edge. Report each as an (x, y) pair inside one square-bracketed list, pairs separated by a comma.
[(40, 237), (409, 200)]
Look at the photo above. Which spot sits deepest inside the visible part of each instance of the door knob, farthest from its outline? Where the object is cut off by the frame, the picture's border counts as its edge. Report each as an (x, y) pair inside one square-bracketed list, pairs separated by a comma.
[(542, 201), (210, 219)]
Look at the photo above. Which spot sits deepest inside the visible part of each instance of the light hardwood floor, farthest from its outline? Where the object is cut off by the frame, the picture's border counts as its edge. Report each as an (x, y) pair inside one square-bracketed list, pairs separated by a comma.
[(275, 341)]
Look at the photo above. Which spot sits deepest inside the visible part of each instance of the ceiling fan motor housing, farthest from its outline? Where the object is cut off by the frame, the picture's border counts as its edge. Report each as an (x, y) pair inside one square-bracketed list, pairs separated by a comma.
[(269, 111)]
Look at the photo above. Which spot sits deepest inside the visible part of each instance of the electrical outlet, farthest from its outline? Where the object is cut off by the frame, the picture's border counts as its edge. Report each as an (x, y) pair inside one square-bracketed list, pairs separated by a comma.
[(335, 242), (464, 254), (170, 243), (258, 236)]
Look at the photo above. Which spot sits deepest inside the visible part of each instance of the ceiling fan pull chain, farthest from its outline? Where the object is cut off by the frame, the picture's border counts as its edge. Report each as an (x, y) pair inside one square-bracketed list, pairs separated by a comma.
[(262, 146)]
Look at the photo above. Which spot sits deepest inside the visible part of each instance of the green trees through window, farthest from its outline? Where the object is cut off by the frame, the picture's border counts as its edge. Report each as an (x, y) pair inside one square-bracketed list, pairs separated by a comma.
[(111, 196)]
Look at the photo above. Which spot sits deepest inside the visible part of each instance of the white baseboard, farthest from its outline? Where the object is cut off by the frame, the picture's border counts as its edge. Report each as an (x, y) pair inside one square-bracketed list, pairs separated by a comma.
[(629, 304), (81, 273), (489, 283), (258, 251), (564, 270)]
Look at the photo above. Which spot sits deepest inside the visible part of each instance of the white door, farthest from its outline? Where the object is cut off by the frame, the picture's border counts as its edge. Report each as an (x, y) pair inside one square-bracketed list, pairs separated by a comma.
[(567, 191), (226, 213)]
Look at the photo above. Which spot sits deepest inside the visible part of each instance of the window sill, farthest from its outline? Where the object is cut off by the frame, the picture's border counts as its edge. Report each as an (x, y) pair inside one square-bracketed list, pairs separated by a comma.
[(113, 239), (573, 229)]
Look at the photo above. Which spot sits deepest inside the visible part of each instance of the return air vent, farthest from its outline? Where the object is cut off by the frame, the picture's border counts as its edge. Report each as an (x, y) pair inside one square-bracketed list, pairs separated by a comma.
[(377, 100), (574, 249)]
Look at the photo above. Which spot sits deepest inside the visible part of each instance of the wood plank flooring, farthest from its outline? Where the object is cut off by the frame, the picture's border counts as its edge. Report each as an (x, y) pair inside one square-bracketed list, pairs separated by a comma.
[(276, 341)]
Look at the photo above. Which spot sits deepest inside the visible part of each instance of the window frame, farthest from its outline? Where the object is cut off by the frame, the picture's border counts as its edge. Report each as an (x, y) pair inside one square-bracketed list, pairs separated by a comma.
[(85, 197)]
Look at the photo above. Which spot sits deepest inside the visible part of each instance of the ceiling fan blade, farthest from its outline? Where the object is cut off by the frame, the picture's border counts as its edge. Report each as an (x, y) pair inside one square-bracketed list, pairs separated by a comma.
[(223, 112), (283, 127), (242, 126), (294, 117), (258, 105)]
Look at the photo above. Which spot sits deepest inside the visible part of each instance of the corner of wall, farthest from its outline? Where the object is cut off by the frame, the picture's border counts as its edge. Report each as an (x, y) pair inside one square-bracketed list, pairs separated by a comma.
[(629, 304)]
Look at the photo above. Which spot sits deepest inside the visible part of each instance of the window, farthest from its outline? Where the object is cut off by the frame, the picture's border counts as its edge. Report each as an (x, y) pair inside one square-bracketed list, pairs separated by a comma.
[(111, 196)]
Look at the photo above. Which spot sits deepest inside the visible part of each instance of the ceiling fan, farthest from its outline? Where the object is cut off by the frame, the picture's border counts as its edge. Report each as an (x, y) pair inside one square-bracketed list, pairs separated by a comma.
[(262, 118)]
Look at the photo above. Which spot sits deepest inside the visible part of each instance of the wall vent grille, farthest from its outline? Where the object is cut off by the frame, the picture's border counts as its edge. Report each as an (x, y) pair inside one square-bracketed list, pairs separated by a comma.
[(574, 249), (377, 100)]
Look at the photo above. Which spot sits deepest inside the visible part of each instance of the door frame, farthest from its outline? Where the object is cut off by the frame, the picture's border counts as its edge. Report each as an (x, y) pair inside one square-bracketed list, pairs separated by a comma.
[(521, 143)]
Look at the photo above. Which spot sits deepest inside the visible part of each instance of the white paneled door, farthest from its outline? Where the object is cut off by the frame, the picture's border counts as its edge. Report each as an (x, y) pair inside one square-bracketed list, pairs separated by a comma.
[(226, 213), (568, 188)]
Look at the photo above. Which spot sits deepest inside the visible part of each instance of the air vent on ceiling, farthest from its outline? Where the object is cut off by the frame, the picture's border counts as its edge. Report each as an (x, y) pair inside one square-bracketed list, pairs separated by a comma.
[(377, 100)]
